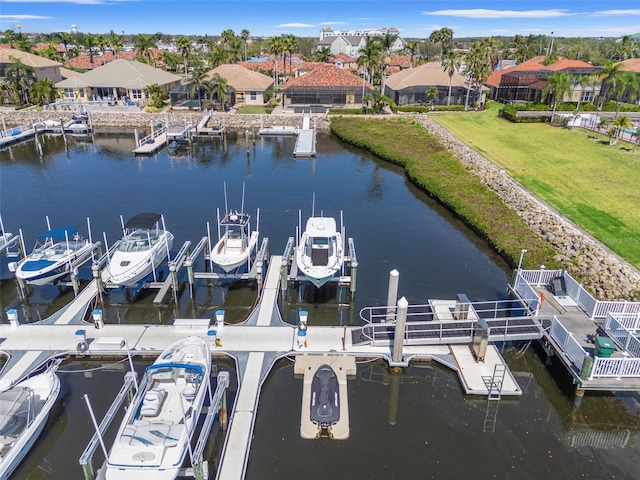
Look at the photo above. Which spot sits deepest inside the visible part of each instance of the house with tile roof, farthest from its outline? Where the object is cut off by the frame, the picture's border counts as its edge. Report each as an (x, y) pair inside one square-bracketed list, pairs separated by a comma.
[(83, 61), (42, 67), (409, 87), (244, 86), (118, 79), (326, 85), (526, 81)]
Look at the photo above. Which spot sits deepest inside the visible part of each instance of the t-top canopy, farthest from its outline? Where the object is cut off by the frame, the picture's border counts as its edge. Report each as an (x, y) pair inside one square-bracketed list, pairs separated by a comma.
[(143, 220), (187, 366), (59, 233)]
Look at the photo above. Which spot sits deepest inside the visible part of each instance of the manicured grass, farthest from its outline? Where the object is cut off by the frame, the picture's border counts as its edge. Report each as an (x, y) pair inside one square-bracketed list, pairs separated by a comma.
[(574, 170), (431, 167), (252, 109)]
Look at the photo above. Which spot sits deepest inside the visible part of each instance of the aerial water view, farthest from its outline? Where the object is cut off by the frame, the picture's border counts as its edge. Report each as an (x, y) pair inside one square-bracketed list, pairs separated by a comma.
[(271, 240)]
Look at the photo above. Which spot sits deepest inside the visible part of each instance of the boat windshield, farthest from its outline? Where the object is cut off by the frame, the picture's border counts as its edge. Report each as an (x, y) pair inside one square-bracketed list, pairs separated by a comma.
[(15, 411)]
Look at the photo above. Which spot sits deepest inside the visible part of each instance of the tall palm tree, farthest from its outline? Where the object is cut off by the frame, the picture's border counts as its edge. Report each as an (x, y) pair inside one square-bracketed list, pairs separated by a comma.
[(21, 76), (583, 81), (275, 47), (234, 50), (411, 48), (66, 39), (10, 36), (101, 42), (198, 78), (559, 85), (115, 43), (244, 35), (451, 63), (90, 44), (217, 88), (217, 56), (183, 44), (227, 36), (618, 125), (369, 56), (609, 75), (431, 93), (627, 83), (322, 54), (444, 36), (144, 45), (290, 43), (493, 51)]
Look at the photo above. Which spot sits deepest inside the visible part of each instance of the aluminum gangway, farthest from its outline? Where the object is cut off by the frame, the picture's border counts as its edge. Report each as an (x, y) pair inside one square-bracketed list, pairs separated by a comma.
[(306, 141)]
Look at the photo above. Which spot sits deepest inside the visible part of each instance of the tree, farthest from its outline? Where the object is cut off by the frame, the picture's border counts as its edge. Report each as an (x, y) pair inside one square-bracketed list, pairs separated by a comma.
[(411, 48), (290, 44), (444, 36), (115, 43), (43, 91), (89, 43), (451, 63), (322, 54), (431, 94), (618, 125), (234, 51), (21, 77), (183, 44), (227, 36), (558, 85), (170, 59), (478, 66), (144, 45), (627, 83), (157, 95), (370, 56), (217, 88), (609, 75), (275, 47), (101, 42), (583, 81), (217, 56), (244, 35), (198, 78)]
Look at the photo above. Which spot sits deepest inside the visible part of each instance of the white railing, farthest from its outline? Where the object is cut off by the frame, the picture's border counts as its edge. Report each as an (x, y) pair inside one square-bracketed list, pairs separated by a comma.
[(616, 329), (630, 321), (602, 308), (12, 132), (152, 136), (567, 343), (540, 277), (625, 367), (523, 286)]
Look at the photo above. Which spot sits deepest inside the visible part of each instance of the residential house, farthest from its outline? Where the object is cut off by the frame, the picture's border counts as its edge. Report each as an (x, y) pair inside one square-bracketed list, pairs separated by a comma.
[(42, 67), (326, 85), (342, 60), (84, 62), (118, 80), (630, 65), (244, 86), (525, 82), (409, 87)]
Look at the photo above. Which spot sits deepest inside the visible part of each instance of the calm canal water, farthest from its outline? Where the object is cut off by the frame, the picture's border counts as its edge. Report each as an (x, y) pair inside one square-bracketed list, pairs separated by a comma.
[(435, 432)]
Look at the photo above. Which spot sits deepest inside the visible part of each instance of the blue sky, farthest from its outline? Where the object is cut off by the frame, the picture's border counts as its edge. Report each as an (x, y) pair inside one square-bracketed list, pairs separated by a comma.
[(565, 18)]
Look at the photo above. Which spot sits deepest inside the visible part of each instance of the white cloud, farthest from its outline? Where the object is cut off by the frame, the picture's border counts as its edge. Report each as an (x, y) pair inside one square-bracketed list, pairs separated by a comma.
[(24, 17), (333, 23), (295, 25), (621, 13), (484, 13)]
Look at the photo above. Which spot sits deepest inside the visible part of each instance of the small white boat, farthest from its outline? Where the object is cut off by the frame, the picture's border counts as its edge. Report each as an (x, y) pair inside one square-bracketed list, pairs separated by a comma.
[(24, 409), (144, 245), (52, 257), (320, 251), (154, 436), (236, 241)]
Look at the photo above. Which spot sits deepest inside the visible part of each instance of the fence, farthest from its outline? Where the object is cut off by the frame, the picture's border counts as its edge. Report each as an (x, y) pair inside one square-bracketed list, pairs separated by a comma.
[(567, 343)]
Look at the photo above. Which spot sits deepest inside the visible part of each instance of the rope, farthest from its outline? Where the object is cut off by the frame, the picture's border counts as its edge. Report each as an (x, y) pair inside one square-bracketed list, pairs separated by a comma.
[(94, 369)]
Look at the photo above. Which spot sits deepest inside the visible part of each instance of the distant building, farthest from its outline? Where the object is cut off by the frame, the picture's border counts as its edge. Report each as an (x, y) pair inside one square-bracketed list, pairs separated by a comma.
[(363, 32), (350, 42)]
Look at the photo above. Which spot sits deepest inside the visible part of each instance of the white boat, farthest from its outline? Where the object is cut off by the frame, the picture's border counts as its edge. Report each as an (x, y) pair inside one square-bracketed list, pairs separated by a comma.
[(144, 245), (24, 409), (320, 251), (158, 426), (236, 241), (52, 257)]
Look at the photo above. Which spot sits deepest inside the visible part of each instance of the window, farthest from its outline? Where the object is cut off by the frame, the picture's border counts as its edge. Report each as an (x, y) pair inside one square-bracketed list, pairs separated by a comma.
[(68, 93), (81, 92), (586, 96), (254, 95), (136, 94)]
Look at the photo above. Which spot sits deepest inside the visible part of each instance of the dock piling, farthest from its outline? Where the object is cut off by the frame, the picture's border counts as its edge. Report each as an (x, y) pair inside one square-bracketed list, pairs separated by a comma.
[(392, 294), (399, 333)]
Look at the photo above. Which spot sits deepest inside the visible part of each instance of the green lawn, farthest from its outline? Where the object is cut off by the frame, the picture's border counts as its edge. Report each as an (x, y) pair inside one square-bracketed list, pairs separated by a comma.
[(592, 183), (252, 109)]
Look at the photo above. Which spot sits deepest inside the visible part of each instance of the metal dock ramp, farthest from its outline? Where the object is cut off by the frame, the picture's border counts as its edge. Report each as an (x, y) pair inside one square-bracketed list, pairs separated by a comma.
[(305, 144)]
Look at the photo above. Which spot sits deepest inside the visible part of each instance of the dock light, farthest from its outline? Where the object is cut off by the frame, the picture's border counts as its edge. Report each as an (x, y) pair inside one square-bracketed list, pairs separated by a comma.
[(97, 318), (12, 315), (219, 320), (522, 252)]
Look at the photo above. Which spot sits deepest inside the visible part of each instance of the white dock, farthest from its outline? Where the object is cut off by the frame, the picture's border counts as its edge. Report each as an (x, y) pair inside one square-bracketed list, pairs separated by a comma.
[(151, 145)]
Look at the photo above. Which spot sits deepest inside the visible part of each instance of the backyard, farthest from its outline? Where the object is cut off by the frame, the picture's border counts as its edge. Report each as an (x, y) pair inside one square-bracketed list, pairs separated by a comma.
[(575, 171)]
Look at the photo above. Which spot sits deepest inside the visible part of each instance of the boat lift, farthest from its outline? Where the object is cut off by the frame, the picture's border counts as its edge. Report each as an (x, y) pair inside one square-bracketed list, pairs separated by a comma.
[(199, 466)]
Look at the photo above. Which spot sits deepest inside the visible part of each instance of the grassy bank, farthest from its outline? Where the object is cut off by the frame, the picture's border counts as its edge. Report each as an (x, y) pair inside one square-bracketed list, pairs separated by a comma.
[(574, 170), (431, 167)]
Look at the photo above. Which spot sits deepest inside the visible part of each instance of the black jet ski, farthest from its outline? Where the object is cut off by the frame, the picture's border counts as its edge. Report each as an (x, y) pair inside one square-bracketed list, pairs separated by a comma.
[(325, 399)]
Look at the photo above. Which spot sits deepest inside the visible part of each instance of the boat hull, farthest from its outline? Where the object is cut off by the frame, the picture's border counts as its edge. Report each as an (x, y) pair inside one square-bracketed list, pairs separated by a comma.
[(230, 258), (41, 270), (320, 253), (129, 268), (46, 385)]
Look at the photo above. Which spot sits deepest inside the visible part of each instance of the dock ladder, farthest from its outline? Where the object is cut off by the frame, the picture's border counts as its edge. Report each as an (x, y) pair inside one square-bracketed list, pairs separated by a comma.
[(494, 386)]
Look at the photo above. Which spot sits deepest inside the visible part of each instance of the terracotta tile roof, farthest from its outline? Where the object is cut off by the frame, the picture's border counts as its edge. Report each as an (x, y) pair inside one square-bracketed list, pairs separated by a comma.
[(264, 63), (401, 61), (537, 64), (43, 46), (83, 61), (327, 75), (630, 65), (343, 57)]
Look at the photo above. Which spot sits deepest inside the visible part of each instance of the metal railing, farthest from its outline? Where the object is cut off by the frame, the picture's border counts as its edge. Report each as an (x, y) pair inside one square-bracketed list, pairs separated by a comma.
[(152, 136), (12, 132), (615, 327), (625, 367), (567, 343)]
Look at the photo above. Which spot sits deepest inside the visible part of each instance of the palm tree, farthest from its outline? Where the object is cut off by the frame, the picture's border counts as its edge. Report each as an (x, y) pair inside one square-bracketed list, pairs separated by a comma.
[(618, 125), (89, 43), (431, 94), (559, 84), (144, 45), (10, 35), (183, 44), (322, 54), (234, 50), (227, 36), (451, 63), (21, 76), (583, 81), (244, 35), (217, 56), (290, 45), (609, 75), (115, 43), (157, 95), (478, 66), (627, 83), (412, 48), (275, 47), (217, 87), (101, 42), (444, 36), (492, 51), (370, 56), (65, 38), (198, 78), (43, 91)]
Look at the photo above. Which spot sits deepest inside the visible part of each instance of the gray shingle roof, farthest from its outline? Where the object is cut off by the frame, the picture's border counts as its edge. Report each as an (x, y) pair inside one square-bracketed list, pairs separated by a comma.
[(121, 74)]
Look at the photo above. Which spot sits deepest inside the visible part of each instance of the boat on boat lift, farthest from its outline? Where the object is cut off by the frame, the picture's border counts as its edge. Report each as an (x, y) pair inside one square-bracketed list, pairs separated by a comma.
[(144, 245), (236, 241), (53, 256), (159, 424), (5, 237), (320, 249)]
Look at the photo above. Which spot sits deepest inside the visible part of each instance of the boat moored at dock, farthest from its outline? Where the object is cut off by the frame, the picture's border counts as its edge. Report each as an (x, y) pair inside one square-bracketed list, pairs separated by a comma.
[(320, 251), (157, 428), (144, 245)]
